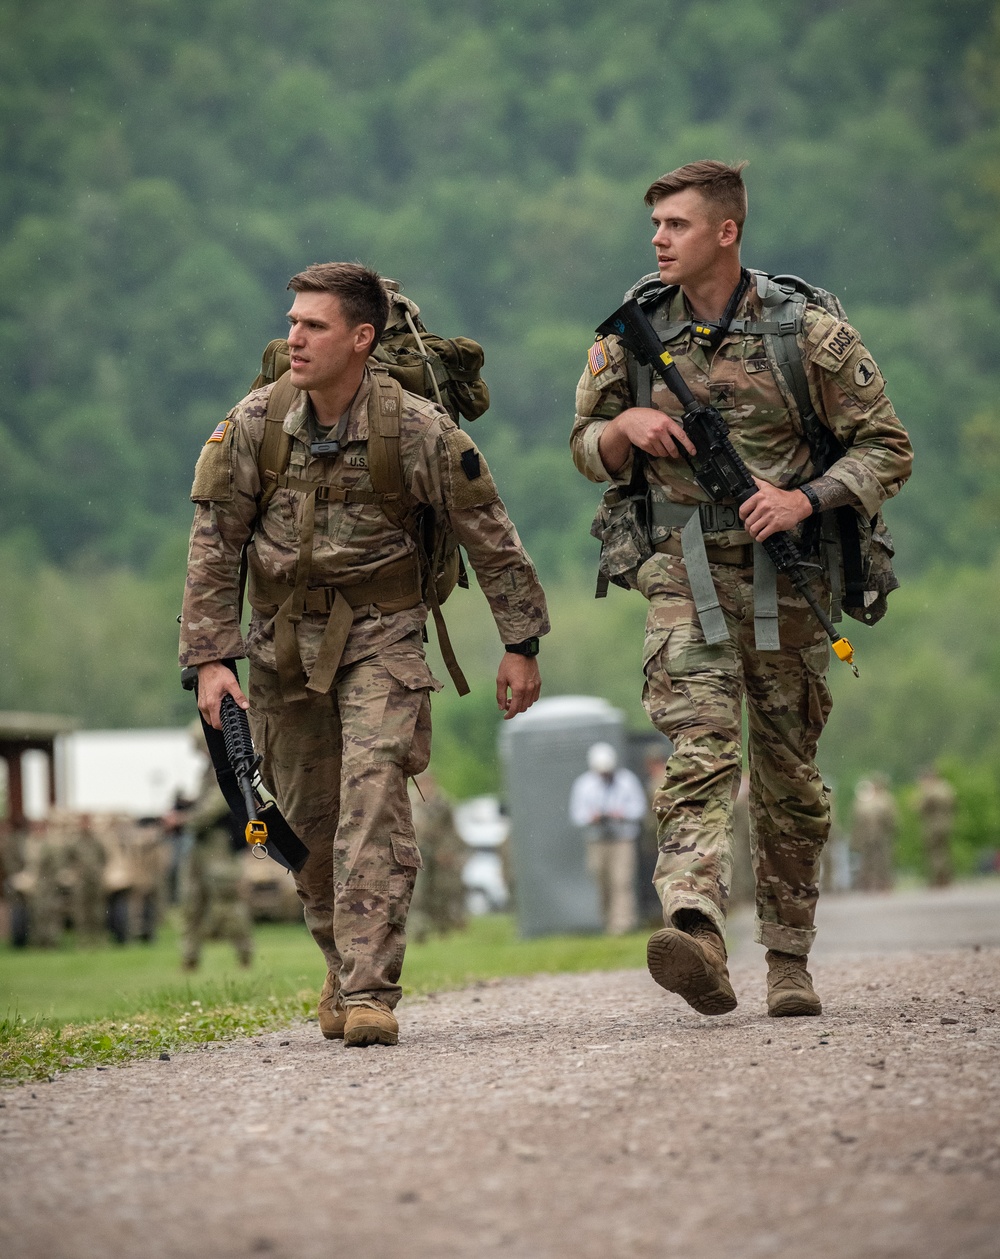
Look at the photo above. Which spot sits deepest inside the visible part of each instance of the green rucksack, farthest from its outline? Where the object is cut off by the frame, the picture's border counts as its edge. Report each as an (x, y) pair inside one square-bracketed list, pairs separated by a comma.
[(857, 552), (445, 370)]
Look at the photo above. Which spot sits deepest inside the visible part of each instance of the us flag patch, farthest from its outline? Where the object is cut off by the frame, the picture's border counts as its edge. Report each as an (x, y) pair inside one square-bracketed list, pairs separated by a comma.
[(597, 357), (220, 432)]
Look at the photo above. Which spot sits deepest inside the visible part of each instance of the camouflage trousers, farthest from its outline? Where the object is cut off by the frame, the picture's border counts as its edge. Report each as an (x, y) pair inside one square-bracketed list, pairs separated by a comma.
[(215, 908), (694, 693), (337, 765)]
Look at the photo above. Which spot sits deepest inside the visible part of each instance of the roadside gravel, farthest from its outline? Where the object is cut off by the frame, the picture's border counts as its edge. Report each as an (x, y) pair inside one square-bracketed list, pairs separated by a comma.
[(570, 1115)]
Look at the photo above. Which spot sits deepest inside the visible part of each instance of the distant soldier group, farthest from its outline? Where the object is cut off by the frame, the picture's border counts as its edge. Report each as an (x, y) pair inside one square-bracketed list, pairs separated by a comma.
[(875, 821), (97, 874)]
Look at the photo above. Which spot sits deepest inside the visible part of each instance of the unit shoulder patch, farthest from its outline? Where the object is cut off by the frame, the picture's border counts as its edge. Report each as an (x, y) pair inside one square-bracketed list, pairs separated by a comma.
[(467, 478), (840, 341)]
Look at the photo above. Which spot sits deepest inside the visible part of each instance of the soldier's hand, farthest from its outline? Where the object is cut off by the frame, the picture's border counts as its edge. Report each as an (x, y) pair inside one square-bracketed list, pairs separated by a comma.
[(650, 430), (773, 511), (215, 680), (518, 683)]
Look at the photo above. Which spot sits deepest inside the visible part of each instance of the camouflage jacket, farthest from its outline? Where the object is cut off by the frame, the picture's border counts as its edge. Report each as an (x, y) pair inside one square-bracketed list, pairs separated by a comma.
[(847, 390), (351, 541)]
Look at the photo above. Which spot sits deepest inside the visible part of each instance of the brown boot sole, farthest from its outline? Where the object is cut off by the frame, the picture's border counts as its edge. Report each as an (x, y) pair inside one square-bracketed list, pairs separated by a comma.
[(677, 963), (362, 1034), (334, 1032), (791, 1005)]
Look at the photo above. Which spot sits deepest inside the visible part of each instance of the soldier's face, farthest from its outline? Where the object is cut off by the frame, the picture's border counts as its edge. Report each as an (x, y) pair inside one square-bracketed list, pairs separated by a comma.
[(690, 240), (322, 345)]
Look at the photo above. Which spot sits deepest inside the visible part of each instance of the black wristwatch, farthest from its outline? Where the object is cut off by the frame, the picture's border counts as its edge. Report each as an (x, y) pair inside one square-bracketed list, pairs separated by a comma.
[(811, 495), (528, 648)]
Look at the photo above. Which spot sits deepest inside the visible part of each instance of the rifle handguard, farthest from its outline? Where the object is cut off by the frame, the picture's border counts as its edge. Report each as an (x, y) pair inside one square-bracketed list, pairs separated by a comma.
[(243, 759)]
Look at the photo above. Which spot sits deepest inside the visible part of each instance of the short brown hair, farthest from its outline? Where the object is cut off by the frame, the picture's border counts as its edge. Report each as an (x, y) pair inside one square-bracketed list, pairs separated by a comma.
[(359, 290), (721, 186)]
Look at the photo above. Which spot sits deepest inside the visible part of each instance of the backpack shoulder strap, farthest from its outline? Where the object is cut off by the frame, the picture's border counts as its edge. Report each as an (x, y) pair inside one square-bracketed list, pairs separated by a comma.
[(276, 445), (385, 463), (385, 467), (784, 304)]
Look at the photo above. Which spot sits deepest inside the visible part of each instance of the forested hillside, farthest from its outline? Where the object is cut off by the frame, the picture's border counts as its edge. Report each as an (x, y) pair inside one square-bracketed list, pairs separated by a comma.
[(168, 164)]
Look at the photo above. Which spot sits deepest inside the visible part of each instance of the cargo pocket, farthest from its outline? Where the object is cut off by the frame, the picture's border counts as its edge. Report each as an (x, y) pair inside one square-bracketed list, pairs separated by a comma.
[(405, 734), (689, 686), (406, 861), (817, 701)]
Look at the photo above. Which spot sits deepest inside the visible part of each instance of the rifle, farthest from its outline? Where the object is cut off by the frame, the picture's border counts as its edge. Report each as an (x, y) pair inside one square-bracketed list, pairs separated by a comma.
[(716, 465), (236, 763)]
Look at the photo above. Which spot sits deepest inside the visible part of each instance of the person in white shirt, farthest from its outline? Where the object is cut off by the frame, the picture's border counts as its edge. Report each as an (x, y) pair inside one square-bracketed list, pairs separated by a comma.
[(608, 803)]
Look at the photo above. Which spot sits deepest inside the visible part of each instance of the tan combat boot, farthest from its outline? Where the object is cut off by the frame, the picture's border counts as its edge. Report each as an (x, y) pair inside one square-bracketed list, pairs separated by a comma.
[(692, 964), (371, 1024), (332, 1015), (790, 992)]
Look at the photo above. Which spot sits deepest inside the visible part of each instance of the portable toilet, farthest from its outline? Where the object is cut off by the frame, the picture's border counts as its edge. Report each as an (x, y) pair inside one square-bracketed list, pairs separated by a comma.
[(542, 752)]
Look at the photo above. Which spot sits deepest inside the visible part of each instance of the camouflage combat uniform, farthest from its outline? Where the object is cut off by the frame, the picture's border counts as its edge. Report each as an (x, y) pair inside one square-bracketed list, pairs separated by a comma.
[(936, 803), (338, 759), (215, 898), (438, 903), (873, 835), (694, 691)]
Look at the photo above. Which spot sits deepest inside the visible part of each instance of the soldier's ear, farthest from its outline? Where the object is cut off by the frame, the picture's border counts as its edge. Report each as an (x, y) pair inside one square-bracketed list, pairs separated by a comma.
[(364, 338), (729, 233)]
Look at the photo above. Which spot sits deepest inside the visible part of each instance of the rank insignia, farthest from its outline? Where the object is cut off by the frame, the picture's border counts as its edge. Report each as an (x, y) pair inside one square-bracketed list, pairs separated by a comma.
[(597, 357), (220, 432)]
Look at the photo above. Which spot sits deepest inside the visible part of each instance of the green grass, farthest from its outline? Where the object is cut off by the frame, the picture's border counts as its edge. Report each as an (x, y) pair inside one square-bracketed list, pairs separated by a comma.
[(70, 1008)]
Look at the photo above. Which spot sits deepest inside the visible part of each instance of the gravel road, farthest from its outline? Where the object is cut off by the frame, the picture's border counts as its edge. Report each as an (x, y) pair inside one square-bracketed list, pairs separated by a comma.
[(584, 1116)]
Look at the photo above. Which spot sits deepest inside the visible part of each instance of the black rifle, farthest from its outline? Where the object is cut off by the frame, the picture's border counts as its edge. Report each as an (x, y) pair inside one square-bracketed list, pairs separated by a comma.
[(716, 465), (235, 764)]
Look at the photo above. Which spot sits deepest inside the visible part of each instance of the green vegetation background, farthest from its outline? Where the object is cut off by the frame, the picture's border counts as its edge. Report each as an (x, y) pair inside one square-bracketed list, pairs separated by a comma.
[(168, 164)]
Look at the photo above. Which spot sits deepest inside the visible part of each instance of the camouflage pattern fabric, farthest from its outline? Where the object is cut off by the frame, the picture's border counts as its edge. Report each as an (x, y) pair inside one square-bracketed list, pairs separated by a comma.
[(693, 692), (873, 834), (338, 762), (754, 401), (441, 467), (215, 900), (438, 903), (88, 901), (936, 802), (338, 765)]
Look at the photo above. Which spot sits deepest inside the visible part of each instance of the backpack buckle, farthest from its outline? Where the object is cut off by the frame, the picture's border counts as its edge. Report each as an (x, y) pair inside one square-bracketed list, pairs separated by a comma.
[(786, 326)]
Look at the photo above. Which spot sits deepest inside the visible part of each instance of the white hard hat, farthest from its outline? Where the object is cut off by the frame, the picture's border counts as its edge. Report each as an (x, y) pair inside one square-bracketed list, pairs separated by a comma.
[(602, 758)]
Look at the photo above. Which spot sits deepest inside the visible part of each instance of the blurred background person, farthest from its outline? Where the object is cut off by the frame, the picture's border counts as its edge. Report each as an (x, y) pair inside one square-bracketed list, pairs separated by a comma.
[(215, 901), (935, 802), (873, 833), (608, 803), (438, 903)]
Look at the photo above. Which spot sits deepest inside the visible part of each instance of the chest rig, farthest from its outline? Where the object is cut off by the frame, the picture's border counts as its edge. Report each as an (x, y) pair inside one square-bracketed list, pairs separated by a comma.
[(783, 301), (397, 586)]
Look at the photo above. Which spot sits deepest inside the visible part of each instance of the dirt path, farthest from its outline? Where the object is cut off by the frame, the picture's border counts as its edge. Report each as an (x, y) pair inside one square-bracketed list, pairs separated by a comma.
[(588, 1115)]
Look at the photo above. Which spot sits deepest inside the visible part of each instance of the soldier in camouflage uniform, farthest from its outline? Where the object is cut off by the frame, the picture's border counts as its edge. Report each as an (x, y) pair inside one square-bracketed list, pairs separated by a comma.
[(438, 903), (695, 688), (936, 802), (339, 688), (873, 833), (215, 898)]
